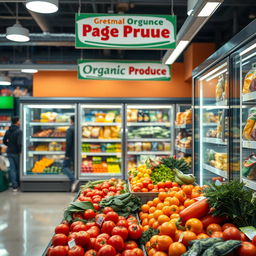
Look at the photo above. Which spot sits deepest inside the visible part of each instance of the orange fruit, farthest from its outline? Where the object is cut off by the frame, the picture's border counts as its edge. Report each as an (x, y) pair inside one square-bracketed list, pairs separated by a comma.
[(163, 243), (150, 203), (177, 235), (145, 222), (159, 253), (153, 241), (176, 249), (150, 216), (160, 206), (174, 220), (188, 202), (147, 246), (156, 201), (176, 189), (152, 209), (174, 209), (188, 236), (145, 208), (157, 213), (167, 210), (155, 225), (194, 225), (173, 200), (213, 228), (175, 216), (143, 216), (146, 227), (162, 196), (181, 196), (152, 252), (187, 189), (166, 203), (162, 219), (151, 222), (181, 207), (202, 236), (168, 229)]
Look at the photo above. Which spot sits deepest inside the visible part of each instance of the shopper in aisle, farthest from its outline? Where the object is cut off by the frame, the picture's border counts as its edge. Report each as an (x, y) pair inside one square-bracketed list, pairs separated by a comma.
[(12, 139), (69, 155)]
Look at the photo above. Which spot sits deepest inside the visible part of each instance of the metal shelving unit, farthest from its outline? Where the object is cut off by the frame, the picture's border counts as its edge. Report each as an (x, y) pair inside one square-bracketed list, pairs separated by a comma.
[(50, 139), (214, 141), (48, 124), (46, 153), (101, 140), (149, 140), (187, 151), (150, 153), (100, 124), (216, 171), (167, 124)]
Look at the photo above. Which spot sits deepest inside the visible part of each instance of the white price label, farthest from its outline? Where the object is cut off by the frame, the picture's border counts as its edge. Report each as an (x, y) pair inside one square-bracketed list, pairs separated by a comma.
[(100, 220), (71, 243), (200, 198), (181, 237), (249, 231)]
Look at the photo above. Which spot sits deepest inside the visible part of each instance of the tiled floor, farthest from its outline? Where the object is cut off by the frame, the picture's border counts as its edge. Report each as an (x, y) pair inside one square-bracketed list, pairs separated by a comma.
[(27, 221)]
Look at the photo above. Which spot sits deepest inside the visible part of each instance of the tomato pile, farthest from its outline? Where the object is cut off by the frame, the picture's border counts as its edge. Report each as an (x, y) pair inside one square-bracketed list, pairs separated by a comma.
[(182, 215), (101, 234), (95, 192)]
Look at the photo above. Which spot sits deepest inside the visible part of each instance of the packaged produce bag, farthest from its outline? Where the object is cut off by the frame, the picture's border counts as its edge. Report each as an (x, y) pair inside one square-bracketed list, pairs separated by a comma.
[(250, 80), (249, 126), (220, 89), (249, 167)]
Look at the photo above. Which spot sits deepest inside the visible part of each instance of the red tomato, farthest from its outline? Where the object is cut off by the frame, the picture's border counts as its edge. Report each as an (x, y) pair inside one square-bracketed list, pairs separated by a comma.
[(58, 250), (72, 236), (79, 227), (244, 237), (122, 223), (107, 209), (160, 184), (107, 227), (92, 242), (93, 231), (113, 189), (113, 216), (105, 235), (254, 240), (138, 252), (107, 250), (62, 229), (247, 249), (168, 184), (59, 239), (90, 253), (232, 234), (129, 245), (90, 224), (100, 242), (77, 215), (217, 234), (135, 231), (121, 218), (129, 253), (121, 231), (82, 238), (117, 242), (76, 251), (89, 214), (227, 225), (74, 224), (175, 184)]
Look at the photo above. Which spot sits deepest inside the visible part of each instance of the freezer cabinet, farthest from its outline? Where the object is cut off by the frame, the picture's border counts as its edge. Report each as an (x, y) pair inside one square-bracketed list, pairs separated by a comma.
[(44, 128)]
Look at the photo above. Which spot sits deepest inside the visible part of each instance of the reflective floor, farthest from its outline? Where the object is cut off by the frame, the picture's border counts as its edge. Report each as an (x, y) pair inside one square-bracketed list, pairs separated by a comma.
[(27, 221)]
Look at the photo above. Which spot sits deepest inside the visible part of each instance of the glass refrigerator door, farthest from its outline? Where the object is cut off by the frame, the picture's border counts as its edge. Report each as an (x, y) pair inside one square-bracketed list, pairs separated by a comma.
[(213, 124), (5, 122), (100, 143), (183, 132), (149, 133), (44, 139), (245, 65)]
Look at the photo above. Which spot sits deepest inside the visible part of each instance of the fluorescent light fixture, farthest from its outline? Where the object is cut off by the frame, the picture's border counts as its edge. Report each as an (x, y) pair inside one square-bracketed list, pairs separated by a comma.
[(213, 71), (43, 6), (28, 69), (248, 49), (177, 51), (208, 9), (5, 80), (216, 75), (17, 33)]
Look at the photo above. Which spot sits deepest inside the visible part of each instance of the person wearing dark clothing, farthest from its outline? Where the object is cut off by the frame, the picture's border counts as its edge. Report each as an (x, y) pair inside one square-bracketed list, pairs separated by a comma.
[(70, 154), (12, 139)]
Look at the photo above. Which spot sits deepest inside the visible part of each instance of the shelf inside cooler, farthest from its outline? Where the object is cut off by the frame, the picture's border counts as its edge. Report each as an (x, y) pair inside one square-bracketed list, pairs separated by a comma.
[(214, 141), (210, 124), (249, 144), (184, 150), (249, 183), (85, 154), (98, 174), (5, 123), (214, 170), (39, 139), (101, 140), (149, 153), (48, 124), (149, 140), (100, 124), (149, 124), (46, 152), (184, 126), (249, 96)]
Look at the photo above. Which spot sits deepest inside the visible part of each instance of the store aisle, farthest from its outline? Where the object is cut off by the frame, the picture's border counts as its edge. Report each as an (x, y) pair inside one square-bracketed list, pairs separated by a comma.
[(27, 221)]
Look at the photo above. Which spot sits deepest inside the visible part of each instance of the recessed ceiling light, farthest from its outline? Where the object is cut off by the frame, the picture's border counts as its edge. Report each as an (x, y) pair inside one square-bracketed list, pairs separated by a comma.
[(5, 80), (17, 33), (43, 6), (29, 69)]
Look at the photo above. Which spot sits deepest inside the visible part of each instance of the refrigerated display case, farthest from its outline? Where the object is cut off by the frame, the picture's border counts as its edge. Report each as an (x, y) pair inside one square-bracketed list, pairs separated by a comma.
[(101, 141), (183, 132), (44, 129), (219, 148), (149, 132), (5, 122)]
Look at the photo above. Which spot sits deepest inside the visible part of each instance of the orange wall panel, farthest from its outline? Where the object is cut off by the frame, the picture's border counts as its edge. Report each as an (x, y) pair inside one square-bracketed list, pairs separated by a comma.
[(66, 84)]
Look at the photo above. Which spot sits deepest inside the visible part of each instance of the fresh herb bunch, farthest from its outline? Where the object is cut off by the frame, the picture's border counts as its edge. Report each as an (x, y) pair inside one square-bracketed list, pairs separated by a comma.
[(234, 201), (162, 173), (173, 163)]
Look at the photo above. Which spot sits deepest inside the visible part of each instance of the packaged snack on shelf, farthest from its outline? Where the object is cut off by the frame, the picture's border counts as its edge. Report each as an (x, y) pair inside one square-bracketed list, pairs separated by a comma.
[(249, 167), (140, 117), (250, 80), (138, 146), (132, 115), (220, 89), (110, 117), (100, 117), (146, 146), (249, 127)]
